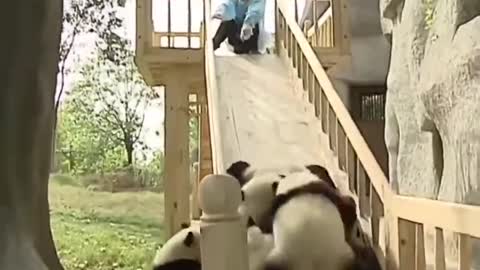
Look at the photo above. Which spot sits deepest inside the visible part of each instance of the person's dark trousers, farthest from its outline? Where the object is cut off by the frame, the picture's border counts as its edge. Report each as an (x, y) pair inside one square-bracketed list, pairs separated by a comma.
[(250, 45), (227, 29), (231, 30)]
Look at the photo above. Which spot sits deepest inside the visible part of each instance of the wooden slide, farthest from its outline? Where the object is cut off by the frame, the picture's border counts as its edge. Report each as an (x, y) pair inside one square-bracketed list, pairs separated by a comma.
[(264, 117)]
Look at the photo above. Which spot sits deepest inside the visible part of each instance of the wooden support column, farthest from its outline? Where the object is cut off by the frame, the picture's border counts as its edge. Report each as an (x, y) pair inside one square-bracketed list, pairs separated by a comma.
[(205, 156), (341, 23), (177, 169)]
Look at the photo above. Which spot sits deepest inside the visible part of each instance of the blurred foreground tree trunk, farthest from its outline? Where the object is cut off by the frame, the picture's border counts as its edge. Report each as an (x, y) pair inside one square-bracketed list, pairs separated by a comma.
[(29, 54)]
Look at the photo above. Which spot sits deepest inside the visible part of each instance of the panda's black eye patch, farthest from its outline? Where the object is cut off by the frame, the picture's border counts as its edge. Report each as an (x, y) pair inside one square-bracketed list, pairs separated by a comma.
[(189, 239), (243, 195), (282, 176), (358, 233)]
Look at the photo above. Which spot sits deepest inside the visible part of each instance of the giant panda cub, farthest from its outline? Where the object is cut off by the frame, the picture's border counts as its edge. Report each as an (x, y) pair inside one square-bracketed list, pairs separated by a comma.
[(257, 197), (307, 228), (181, 251), (259, 188), (244, 172), (315, 227)]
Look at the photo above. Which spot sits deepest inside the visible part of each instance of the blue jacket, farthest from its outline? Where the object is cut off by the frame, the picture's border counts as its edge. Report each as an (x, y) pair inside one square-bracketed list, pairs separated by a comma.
[(243, 11)]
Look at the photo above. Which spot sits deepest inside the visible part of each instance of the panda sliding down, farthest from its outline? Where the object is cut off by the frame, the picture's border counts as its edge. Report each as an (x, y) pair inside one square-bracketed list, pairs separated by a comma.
[(303, 220), (335, 212), (182, 251), (244, 172), (259, 187), (315, 227)]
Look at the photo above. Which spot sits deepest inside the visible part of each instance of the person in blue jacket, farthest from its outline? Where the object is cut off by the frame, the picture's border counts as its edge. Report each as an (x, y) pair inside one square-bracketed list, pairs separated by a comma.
[(240, 24)]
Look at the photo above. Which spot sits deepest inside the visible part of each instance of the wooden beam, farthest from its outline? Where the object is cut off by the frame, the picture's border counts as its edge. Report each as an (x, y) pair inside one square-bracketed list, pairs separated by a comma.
[(192, 74), (144, 69), (341, 22), (177, 161), (174, 56)]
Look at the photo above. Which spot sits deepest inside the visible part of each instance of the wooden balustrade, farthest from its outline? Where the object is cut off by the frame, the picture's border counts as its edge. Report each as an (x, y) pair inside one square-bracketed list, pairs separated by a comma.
[(187, 39), (158, 54), (412, 251), (404, 217), (320, 33)]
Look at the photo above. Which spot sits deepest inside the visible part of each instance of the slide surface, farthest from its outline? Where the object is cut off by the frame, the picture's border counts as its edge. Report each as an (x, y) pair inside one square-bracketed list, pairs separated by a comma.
[(266, 119), (262, 120)]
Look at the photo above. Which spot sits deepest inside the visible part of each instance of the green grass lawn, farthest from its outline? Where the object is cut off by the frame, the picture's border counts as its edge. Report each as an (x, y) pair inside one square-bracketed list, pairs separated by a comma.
[(100, 230)]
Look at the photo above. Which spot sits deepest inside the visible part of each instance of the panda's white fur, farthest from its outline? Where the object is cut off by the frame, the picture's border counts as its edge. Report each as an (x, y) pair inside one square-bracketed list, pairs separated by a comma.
[(259, 246), (245, 172), (184, 245), (259, 192), (308, 231), (258, 195)]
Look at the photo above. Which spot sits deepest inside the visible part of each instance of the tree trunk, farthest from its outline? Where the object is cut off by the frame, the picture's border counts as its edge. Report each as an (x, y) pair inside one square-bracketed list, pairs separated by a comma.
[(54, 163), (60, 94), (28, 78), (129, 150)]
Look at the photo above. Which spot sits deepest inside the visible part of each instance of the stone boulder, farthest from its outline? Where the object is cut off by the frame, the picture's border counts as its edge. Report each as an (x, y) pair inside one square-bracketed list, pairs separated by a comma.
[(433, 100)]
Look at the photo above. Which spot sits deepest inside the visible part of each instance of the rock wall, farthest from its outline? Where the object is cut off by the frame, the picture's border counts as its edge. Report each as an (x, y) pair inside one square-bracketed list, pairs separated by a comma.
[(433, 100), (29, 64)]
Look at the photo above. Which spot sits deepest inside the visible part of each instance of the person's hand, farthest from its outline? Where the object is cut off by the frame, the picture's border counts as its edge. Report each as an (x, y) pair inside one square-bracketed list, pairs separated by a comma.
[(246, 32), (219, 12)]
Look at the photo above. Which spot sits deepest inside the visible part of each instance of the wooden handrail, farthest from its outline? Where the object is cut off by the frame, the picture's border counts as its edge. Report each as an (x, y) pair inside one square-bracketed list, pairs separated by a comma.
[(404, 217), (446, 215), (453, 216), (359, 144), (325, 16), (212, 94)]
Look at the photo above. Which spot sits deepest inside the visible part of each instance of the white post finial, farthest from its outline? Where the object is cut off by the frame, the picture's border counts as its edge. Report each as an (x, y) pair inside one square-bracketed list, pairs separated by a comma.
[(223, 234)]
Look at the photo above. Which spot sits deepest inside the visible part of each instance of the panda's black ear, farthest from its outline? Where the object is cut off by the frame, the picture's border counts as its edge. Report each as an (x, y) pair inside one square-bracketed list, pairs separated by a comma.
[(189, 239), (321, 173), (251, 222), (185, 225), (274, 187), (237, 170)]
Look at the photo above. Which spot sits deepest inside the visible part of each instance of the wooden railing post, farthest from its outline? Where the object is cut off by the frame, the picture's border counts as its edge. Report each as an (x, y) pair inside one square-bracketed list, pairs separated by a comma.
[(194, 208), (223, 233), (149, 23)]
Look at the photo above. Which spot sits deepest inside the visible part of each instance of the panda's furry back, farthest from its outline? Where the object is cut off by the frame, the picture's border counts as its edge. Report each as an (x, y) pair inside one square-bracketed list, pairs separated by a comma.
[(310, 227)]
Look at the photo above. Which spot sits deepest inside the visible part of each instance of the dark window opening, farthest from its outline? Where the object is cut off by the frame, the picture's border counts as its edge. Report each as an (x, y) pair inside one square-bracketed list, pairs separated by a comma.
[(372, 106)]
